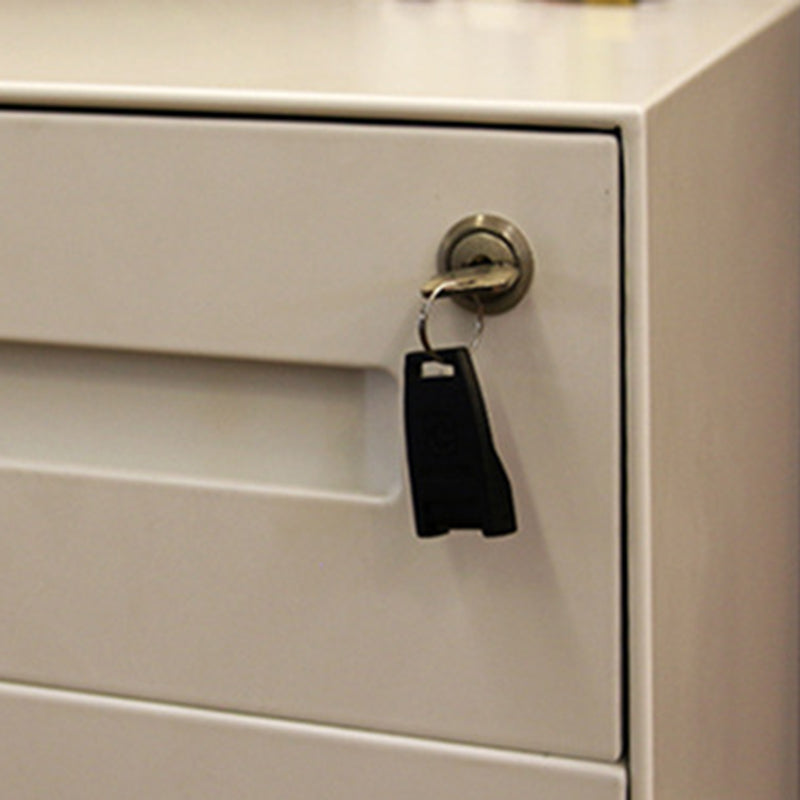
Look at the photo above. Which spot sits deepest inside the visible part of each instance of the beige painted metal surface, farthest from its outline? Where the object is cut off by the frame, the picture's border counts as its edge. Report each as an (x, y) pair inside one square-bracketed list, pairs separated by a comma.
[(704, 94), (454, 59), (723, 255), (143, 564), (75, 747)]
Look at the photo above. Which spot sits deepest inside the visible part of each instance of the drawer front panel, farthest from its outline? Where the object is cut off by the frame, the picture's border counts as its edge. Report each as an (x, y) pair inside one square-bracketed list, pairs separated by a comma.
[(184, 298), (83, 748)]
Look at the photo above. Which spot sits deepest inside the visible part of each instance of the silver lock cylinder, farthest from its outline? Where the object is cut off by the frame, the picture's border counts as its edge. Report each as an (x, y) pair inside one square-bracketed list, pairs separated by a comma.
[(493, 246)]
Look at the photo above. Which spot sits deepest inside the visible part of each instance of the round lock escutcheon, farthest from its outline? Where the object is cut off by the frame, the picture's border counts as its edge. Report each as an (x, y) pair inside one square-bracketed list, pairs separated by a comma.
[(487, 239)]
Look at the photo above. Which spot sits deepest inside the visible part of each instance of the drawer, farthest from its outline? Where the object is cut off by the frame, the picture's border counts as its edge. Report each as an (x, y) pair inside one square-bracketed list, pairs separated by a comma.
[(73, 747), (203, 324)]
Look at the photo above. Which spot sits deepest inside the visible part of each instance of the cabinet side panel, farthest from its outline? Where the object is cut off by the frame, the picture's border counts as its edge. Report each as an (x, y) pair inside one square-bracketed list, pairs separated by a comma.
[(722, 161)]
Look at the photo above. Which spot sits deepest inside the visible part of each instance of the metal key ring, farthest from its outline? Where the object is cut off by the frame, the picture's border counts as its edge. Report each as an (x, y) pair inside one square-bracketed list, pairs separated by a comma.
[(425, 312)]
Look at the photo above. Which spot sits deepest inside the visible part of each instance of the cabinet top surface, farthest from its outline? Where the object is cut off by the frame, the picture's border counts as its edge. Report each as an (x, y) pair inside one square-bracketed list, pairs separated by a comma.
[(470, 60)]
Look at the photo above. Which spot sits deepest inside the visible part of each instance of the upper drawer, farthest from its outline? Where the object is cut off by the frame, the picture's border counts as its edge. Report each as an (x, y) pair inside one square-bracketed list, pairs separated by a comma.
[(198, 266)]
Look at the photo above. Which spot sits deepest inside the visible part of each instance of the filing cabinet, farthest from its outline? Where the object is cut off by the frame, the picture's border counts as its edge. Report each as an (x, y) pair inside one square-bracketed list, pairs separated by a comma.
[(214, 227)]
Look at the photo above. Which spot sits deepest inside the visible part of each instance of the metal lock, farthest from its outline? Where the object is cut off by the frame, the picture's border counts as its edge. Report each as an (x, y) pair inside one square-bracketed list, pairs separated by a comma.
[(483, 256)]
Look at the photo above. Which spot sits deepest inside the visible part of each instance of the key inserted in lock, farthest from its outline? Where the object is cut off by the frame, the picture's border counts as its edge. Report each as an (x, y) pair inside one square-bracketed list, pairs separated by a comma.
[(486, 280), (457, 478), (483, 256)]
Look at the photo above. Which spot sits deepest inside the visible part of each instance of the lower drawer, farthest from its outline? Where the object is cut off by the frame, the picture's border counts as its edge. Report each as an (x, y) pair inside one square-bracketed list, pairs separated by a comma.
[(69, 745)]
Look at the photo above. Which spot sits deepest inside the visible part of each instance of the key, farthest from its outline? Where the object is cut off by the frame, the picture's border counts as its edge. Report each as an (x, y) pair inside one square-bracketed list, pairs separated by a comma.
[(485, 280), (457, 478)]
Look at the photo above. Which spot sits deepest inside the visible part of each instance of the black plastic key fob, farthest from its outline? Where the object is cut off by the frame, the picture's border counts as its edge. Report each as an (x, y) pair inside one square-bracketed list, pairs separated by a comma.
[(457, 479)]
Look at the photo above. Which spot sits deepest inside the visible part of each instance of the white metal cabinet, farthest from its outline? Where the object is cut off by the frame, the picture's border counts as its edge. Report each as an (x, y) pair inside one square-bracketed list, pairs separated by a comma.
[(697, 641)]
